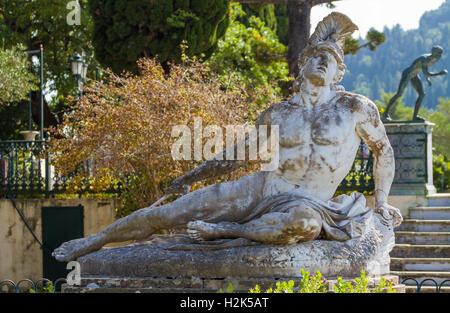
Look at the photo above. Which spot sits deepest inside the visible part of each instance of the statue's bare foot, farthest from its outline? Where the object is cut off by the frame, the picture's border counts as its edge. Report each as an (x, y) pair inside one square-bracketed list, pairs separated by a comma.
[(201, 231), (73, 249)]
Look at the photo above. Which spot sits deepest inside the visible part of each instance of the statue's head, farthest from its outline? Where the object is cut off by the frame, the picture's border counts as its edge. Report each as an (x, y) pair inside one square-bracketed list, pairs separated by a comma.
[(437, 51), (322, 60)]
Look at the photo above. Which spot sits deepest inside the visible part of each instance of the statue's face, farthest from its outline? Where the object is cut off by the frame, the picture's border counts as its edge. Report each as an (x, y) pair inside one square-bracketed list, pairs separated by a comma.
[(321, 68)]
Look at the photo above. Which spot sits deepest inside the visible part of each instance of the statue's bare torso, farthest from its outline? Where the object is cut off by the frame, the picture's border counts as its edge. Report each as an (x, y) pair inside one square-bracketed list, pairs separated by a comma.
[(315, 142)]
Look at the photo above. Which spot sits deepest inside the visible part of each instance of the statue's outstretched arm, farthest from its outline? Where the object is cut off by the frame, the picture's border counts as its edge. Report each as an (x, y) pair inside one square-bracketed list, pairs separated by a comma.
[(370, 128), (212, 168), (215, 167), (430, 74)]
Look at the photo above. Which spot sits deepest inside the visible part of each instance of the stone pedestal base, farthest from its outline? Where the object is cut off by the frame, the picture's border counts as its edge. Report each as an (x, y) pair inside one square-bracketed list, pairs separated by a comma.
[(174, 263), (174, 256), (194, 285)]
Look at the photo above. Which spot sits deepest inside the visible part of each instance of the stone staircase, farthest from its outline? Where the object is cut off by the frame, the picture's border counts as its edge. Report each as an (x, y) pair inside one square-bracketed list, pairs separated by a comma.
[(422, 249)]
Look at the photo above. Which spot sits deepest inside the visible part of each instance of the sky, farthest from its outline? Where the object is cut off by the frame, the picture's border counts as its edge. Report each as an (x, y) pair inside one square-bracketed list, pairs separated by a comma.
[(378, 13)]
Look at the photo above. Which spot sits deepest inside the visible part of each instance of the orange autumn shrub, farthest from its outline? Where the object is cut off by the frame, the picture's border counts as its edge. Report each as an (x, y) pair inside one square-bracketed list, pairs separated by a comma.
[(122, 127)]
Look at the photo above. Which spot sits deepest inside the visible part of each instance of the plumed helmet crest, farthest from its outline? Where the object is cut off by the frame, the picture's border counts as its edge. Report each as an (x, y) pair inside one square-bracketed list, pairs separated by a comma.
[(330, 34), (335, 27)]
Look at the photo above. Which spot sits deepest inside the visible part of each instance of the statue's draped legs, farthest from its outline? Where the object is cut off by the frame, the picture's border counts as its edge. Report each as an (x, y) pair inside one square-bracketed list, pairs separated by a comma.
[(228, 203), (296, 225)]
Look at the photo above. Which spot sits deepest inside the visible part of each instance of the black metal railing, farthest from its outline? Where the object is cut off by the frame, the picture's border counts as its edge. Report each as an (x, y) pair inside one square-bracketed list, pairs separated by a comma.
[(360, 176), (422, 283), (25, 169), (22, 167), (27, 285)]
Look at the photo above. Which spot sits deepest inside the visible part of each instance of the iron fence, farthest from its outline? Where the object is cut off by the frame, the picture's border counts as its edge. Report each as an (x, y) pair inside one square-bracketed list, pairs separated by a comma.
[(25, 169), (421, 284), (27, 285), (360, 176)]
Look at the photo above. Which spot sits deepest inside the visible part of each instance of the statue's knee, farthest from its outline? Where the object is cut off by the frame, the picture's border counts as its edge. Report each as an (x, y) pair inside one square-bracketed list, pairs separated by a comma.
[(305, 223)]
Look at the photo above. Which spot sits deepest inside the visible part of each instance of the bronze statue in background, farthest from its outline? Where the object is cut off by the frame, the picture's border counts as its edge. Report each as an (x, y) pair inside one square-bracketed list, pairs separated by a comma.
[(411, 74)]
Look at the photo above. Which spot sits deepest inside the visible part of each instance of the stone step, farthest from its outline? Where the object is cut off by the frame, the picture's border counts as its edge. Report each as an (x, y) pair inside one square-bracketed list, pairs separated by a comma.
[(430, 213), (425, 226), (412, 278), (422, 238), (439, 199), (420, 251), (420, 264)]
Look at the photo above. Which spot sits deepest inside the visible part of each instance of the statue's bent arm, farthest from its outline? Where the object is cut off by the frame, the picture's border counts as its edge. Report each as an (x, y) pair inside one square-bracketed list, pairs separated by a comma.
[(216, 166), (426, 73), (370, 128)]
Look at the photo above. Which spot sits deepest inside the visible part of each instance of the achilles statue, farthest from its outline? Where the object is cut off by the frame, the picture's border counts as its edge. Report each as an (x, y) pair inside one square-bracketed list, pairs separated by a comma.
[(320, 129), (411, 74)]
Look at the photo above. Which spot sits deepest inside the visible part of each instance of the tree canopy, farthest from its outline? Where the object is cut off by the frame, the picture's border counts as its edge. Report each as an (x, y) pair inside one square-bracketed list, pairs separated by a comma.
[(126, 30), (44, 22), (15, 78)]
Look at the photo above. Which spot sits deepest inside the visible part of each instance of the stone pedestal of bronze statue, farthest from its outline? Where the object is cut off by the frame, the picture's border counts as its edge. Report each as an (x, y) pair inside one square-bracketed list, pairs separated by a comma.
[(412, 144)]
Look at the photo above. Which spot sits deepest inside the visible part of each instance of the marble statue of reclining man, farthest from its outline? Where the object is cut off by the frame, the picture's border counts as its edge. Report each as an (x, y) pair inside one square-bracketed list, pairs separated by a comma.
[(320, 129)]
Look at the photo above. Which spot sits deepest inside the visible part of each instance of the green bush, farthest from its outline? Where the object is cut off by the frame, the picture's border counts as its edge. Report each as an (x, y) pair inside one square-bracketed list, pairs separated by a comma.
[(441, 173), (47, 288), (318, 284), (251, 58)]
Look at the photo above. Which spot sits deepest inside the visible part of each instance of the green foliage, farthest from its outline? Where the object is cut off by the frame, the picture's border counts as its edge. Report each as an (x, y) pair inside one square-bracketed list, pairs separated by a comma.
[(15, 78), (374, 38), (318, 284), (125, 30), (229, 289), (282, 17), (47, 288), (441, 173), (441, 132), (401, 48), (35, 22), (251, 57), (361, 285), (312, 283), (265, 12)]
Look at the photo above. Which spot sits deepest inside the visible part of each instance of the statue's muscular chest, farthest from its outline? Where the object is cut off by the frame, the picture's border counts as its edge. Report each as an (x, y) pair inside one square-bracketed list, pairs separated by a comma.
[(325, 125)]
